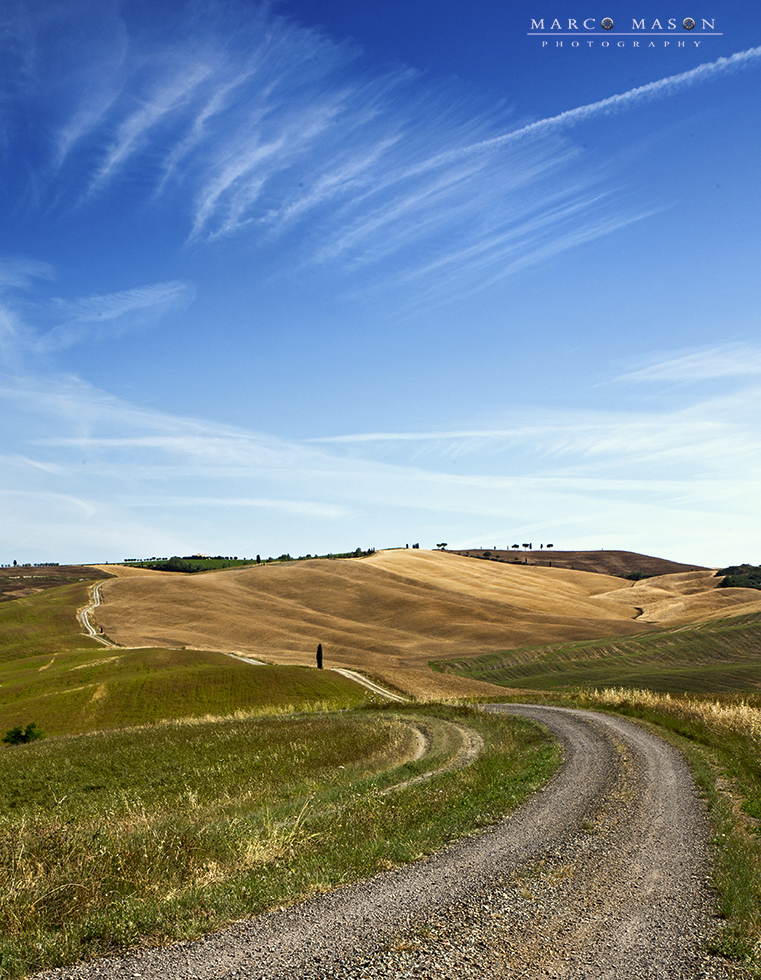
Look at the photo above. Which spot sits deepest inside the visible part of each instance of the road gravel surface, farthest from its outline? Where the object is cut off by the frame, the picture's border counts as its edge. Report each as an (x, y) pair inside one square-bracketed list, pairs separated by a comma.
[(603, 874)]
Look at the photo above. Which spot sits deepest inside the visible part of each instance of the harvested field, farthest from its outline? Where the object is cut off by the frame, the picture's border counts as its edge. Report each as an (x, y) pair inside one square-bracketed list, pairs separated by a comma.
[(390, 614), (686, 597), (19, 581)]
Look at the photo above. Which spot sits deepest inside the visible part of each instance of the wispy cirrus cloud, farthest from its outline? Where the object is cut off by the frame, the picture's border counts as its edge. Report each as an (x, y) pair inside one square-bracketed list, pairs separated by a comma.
[(728, 361), (21, 273), (113, 314), (254, 126), (301, 508), (706, 434), (17, 275), (660, 89), (133, 133), (96, 317), (571, 445), (25, 323), (113, 306)]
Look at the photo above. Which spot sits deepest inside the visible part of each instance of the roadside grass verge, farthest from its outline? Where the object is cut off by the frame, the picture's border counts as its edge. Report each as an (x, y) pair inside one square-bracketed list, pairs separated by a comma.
[(149, 835), (720, 656)]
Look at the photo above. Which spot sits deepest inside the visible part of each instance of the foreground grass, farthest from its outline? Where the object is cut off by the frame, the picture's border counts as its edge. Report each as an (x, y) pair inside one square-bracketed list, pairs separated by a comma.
[(157, 834), (721, 656)]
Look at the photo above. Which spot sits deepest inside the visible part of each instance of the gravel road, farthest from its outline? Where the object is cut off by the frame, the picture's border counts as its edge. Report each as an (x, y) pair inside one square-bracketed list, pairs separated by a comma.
[(603, 874)]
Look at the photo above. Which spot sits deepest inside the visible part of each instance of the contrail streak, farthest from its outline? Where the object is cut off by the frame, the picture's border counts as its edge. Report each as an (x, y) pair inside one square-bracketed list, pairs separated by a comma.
[(614, 103)]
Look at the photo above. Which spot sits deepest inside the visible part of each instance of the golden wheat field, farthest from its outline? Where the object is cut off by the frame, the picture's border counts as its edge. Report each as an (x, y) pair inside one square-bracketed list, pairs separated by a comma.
[(391, 613)]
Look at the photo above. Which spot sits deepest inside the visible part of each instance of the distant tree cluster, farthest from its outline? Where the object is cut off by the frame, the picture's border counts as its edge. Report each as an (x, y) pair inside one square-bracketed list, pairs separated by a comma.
[(204, 563), (357, 553), (741, 577), (191, 563)]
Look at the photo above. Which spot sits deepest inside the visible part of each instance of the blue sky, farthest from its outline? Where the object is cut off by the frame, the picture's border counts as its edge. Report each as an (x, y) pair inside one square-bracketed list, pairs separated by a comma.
[(308, 276)]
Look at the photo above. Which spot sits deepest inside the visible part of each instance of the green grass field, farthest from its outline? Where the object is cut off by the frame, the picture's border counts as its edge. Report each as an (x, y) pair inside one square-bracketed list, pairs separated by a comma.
[(718, 657), (82, 691), (44, 623)]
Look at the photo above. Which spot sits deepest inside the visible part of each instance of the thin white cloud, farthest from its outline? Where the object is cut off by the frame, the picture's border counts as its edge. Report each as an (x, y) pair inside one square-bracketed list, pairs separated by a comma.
[(16, 274), (135, 129), (213, 106), (10, 331), (303, 508), (286, 127), (21, 273), (729, 361), (112, 306), (259, 125), (25, 325), (386, 204), (26, 463), (706, 435), (113, 314)]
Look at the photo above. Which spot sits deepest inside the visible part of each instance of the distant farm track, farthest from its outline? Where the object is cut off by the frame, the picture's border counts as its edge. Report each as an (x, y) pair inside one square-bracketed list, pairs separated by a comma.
[(604, 874), (390, 614), (84, 617)]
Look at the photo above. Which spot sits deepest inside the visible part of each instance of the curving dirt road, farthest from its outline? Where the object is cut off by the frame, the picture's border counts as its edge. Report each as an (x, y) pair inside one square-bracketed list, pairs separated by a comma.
[(603, 874)]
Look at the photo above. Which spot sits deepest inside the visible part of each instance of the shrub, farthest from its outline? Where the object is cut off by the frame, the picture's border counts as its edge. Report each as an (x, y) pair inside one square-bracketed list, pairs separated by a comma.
[(20, 736)]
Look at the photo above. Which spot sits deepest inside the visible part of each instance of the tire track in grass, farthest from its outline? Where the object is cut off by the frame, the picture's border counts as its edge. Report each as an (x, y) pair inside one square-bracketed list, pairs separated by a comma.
[(83, 615)]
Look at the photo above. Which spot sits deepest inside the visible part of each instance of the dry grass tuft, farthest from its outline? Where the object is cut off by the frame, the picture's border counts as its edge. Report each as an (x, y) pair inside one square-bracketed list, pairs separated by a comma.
[(739, 718)]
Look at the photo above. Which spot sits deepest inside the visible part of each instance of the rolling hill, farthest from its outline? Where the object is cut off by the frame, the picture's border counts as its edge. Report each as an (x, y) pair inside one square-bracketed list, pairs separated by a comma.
[(391, 613)]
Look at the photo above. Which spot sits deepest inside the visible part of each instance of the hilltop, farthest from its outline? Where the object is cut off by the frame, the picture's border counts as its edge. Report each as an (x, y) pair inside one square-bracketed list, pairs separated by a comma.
[(623, 563)]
